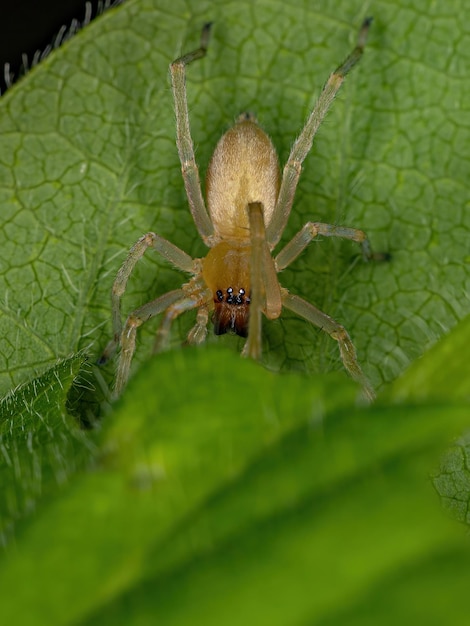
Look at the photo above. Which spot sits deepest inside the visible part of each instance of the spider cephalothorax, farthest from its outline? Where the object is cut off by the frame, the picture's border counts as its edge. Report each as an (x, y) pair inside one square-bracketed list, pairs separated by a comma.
[(226, 271)]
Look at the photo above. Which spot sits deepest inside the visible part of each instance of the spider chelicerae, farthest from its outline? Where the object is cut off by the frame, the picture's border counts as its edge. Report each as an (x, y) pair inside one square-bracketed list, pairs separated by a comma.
[(242, 220)]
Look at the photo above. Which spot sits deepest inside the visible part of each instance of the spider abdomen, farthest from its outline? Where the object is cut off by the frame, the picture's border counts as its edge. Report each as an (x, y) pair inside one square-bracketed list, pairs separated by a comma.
[(244, 169)]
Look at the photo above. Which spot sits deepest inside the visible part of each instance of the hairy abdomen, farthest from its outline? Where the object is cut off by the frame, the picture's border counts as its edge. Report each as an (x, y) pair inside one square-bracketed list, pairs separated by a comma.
[(244, 168)]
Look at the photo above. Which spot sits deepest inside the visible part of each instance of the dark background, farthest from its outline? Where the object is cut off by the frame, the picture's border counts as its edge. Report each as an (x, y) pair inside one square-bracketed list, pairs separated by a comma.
[(28, 26)]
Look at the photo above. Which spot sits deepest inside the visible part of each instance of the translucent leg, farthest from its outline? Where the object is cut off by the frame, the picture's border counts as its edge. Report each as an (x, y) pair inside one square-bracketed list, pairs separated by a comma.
[(184, 141), (336, 331), (128, 336), (311, 229), (303, 143), (150, 240), (198, 332), (172, 312)]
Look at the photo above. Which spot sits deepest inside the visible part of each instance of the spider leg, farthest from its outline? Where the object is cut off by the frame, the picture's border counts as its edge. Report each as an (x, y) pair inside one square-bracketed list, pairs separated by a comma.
[(128, 335), (311, 230), (168, 250), (175, 309), (336, 331), (265, 289), (304, 141), (184, 141), (198, 332)]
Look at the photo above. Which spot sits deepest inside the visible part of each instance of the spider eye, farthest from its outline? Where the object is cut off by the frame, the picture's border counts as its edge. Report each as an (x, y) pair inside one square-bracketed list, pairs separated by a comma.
[(231, 312)]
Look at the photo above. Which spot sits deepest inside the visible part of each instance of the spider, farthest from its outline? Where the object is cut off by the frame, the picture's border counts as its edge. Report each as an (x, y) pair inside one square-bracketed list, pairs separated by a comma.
[(248, 205)]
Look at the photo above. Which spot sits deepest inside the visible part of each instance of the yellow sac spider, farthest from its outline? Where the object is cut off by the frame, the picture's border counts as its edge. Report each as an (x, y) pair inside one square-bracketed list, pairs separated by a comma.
[(248, 205)]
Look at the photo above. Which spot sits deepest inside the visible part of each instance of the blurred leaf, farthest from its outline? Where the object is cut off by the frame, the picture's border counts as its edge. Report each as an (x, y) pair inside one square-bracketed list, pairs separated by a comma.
[(443, 373), (250, 495), (452, 479), (40, 444)]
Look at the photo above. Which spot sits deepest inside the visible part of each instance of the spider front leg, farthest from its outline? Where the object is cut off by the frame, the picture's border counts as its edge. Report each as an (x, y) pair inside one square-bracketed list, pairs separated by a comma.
[(171, 304), (336, 331), (128, 335), (150, 240), (198, 332), (184, 141), (304, 141)]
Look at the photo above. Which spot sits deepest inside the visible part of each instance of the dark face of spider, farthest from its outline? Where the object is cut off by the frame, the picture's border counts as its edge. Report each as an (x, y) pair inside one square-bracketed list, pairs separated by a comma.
[(226, 271), (231, 311)]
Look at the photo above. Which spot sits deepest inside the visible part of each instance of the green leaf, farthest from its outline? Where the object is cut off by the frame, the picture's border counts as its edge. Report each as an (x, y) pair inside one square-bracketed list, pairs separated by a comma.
[(88, 164), (442, 374), (250, 495), (41, 445)]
